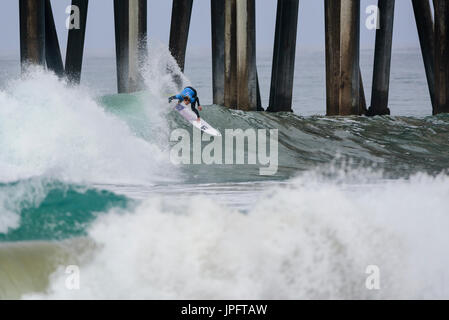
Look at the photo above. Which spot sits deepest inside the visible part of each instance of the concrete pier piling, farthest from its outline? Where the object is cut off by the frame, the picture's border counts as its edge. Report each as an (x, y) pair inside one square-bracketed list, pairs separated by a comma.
[(179, 33), (349, 96), (52, 50), (382, 59), (32, 32), (333, 61), (425, 26), (230, 55), (240, 81), (218, 50), (441, 56), (284, 52), (332, 35), (75, 42), (363, 109), (234, 70), (121, 21), (179, 30), (259, 99), (131, 43), (246, 55)]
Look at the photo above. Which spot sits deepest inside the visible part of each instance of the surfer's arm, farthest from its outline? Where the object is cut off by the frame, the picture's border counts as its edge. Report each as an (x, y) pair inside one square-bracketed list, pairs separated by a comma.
[(199, 104), (178, 96)]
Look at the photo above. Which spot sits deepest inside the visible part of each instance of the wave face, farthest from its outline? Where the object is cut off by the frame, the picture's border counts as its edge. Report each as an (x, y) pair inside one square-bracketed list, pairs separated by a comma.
[(396, 146)]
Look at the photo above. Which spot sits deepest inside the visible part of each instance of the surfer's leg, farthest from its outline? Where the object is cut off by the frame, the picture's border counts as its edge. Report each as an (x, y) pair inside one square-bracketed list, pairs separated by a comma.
[(196, 111)]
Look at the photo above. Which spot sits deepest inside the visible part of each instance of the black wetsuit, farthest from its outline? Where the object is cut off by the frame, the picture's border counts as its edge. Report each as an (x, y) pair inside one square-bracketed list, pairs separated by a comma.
[(193, 106)]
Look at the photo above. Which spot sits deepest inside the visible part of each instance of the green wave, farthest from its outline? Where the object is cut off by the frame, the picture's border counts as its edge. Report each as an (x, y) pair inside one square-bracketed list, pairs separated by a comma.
[(57, 211)]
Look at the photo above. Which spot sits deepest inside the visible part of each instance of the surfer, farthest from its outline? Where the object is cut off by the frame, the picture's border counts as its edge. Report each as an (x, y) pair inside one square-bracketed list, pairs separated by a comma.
[(189, 95)]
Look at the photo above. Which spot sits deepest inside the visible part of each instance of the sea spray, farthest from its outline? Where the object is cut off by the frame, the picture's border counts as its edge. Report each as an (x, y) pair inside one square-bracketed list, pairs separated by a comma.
[(49, 129), (160, 72)]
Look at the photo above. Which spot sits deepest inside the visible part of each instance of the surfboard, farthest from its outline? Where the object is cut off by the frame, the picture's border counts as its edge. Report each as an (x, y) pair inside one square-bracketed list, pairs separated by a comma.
[(191, 117)]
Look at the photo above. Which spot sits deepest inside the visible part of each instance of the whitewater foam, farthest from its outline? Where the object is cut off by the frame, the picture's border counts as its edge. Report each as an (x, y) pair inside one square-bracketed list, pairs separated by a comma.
[(15, 197), (306, 240), (50, 129), (8, 220)]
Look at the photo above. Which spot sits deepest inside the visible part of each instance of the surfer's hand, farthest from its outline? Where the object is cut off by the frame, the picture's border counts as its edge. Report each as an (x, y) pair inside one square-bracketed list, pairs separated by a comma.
[(200, 108), (198, 120), (170, 99)]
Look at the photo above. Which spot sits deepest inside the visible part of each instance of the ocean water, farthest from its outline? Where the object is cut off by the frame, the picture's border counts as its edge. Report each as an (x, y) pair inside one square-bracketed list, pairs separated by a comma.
[(86, 180)]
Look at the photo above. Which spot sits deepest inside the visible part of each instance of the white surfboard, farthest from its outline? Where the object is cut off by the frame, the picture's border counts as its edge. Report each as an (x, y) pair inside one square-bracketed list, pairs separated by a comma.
[(191, 117)]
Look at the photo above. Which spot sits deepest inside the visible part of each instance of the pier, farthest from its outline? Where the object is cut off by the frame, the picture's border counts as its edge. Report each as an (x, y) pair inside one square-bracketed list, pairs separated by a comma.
[(235, 82)]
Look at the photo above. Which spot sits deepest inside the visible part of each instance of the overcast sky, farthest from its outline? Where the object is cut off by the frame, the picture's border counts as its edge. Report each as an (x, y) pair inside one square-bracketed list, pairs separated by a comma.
[(100, 27)]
